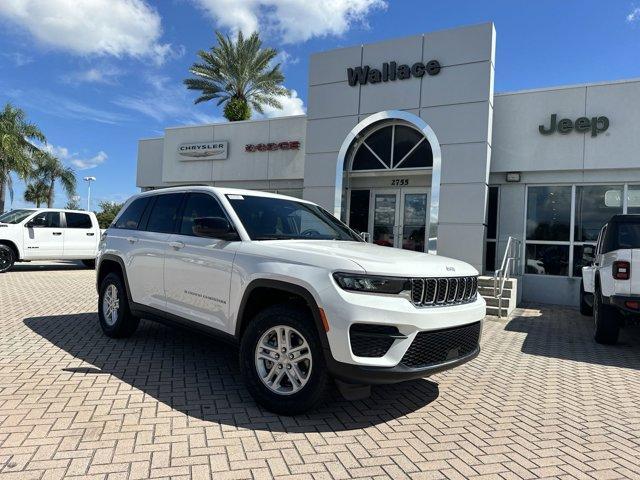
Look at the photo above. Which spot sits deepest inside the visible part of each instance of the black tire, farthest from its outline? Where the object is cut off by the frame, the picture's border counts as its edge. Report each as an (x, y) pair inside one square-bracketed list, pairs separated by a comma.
[(125, 323), (606, 321), (585, 308), (89, 263), (312, 392), (7, 258)]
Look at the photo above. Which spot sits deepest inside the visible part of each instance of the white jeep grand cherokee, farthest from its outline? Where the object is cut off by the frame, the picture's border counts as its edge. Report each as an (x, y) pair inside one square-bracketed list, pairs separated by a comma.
[(305, 297)]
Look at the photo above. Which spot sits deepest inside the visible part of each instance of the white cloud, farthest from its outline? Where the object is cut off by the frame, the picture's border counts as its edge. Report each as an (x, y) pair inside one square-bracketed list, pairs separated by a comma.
[(62, 106), (634, 15), (19, 59), (75, 159), (292, 105), (87, 163), (105, 74), (87, 27), (166, 100), (291, 20)]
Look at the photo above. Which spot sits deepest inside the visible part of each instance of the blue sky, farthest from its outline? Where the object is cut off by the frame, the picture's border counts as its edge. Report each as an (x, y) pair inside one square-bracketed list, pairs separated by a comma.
[(97, 76)]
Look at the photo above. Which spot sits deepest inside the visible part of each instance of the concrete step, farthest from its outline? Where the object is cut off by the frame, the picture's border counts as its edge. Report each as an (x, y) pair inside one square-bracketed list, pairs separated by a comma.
[(488, 292), (486, 281), (508, 303)]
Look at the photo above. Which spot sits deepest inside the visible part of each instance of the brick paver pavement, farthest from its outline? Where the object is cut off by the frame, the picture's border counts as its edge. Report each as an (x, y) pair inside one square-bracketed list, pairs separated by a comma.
[(542, 400)]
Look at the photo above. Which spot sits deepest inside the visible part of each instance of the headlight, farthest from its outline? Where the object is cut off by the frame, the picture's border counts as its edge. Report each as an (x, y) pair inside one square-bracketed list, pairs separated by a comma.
[(372, 284)]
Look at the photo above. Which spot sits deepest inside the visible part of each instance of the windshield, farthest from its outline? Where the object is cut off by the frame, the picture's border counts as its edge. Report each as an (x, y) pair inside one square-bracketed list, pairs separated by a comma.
[(15, 216), (267, 218)]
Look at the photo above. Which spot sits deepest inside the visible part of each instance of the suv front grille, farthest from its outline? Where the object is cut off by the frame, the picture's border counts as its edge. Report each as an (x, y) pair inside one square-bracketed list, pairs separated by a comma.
[(443, 291), (432, 348)]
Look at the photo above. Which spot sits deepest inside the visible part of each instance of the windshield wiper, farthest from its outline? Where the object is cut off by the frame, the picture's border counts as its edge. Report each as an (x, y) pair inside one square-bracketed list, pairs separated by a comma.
[(273, 237)]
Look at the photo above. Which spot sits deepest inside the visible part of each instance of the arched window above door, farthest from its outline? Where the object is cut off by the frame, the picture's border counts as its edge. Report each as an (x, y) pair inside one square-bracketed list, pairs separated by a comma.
[(392, 147)]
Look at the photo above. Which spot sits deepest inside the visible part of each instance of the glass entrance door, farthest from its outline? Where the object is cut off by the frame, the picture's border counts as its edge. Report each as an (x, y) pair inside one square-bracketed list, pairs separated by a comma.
[(398, 218), (385, 217), (413, 220)]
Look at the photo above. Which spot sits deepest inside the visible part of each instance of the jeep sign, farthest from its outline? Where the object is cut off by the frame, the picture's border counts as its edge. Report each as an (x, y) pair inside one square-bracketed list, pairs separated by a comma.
[(595, 125), (390, 72), (203, 151)]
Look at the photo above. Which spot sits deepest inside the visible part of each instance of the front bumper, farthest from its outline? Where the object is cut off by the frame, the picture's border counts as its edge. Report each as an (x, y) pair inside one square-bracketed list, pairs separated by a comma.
[(367, 375), (417, 331)]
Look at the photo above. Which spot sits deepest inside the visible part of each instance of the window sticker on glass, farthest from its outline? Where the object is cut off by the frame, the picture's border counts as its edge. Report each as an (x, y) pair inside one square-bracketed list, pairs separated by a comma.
[(235, 197)]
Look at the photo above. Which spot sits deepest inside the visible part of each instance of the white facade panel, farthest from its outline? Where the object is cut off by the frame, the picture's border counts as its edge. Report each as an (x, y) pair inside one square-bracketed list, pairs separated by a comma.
[(461, 45), (329, 67), (470, 82), (619, 146), (517, 142)]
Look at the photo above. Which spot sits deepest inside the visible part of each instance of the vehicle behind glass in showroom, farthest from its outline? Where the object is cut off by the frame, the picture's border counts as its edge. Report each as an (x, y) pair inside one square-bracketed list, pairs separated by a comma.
[(301, 293)]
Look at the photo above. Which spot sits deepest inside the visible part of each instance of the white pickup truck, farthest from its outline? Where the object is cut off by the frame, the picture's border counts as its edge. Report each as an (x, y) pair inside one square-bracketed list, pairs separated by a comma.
[(48, 234), (610, 289)]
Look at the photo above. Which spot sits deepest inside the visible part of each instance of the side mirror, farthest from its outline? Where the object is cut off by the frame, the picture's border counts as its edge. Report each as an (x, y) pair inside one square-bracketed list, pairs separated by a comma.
[(365, 236), (588, 254), (213, 227)]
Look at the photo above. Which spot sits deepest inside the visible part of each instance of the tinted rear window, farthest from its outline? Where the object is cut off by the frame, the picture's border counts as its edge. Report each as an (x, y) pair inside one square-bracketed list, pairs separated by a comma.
[(78, 220), (163, 215), (130, 218), (621, 235)]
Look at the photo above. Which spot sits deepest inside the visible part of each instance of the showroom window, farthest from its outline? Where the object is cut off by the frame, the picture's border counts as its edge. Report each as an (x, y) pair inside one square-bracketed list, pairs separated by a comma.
[(492, 229), (561, 219), (392, 147)]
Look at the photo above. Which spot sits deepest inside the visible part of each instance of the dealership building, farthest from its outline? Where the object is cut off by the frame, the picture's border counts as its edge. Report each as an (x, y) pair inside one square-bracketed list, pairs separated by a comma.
[(406, 140)]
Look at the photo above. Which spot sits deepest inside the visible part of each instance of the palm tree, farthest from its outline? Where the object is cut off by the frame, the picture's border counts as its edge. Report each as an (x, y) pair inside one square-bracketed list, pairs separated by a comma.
[(238, 74), (50, 169), (16, 149), (36, 192)]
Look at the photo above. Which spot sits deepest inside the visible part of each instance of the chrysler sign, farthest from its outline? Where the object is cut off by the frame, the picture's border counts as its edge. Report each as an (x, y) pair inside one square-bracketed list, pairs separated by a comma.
[(203, 151)]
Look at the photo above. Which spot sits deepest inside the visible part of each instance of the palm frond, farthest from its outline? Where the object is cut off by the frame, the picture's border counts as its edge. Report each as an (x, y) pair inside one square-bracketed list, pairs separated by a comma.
[(239, 68)]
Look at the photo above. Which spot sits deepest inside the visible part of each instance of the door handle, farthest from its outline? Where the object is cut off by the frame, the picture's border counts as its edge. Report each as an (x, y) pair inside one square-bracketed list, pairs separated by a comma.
[(56, 233), (176, 245), (90, 234), (132, 239)]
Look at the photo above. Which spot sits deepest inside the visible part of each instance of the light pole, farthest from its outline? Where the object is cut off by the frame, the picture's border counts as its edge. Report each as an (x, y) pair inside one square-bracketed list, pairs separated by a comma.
[(89, 180)]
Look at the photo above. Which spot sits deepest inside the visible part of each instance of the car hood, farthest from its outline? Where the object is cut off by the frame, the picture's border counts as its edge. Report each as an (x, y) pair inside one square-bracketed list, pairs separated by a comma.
[(373, 259), (8, 227)]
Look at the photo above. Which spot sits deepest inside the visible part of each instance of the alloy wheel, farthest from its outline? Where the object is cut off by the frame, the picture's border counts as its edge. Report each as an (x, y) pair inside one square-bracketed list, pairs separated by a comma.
[(283, 360), (110, 305)]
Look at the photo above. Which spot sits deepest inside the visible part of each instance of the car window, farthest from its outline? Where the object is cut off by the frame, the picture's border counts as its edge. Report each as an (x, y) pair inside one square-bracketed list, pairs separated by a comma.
[(199, 205), (15, 216), (600, 240), (163, 216), (46, 220), (268, 218), (130, 218), (78, 220), (628, 235)]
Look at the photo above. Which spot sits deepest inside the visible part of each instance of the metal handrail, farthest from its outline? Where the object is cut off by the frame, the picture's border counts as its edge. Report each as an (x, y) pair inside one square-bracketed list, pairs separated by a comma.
[(510, 261)]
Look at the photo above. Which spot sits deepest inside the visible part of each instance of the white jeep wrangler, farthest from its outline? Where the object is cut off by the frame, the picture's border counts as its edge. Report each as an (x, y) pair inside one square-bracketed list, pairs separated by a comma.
[(48, 234), (301, 293), (609, 290)]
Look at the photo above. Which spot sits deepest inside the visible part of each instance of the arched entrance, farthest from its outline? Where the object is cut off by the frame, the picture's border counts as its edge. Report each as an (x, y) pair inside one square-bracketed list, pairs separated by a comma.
[(388, 181)]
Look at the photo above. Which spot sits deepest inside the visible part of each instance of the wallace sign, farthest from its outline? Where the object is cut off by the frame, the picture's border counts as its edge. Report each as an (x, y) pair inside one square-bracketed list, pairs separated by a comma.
[(391, 71)]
